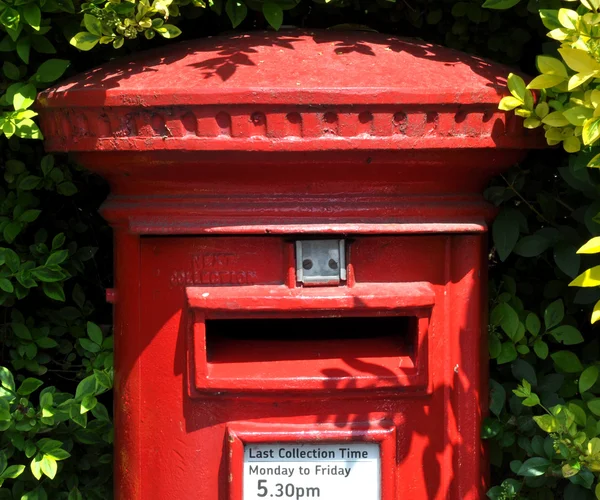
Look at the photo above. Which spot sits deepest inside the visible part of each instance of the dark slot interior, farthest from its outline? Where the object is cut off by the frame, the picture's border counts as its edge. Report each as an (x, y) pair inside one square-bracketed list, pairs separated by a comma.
[(270, 340)]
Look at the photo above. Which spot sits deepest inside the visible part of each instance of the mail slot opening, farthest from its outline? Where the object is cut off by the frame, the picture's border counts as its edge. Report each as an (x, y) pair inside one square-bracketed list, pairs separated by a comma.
[(265, 341)]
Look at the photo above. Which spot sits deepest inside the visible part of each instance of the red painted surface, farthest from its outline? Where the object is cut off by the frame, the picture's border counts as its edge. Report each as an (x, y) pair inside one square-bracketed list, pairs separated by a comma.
[(221, 153)]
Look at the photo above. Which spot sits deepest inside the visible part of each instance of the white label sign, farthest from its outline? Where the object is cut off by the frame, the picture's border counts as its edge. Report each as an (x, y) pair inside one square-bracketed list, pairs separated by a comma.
[(309, 470)]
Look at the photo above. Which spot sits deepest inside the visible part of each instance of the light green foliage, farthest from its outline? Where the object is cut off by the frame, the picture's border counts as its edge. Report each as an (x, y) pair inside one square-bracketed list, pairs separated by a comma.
[(567, 105), (114, 22), (568, 102), (16, 117)]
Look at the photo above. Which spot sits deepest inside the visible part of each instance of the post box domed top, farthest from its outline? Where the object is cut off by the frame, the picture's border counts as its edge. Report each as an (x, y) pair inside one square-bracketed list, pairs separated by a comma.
[(292, 90)]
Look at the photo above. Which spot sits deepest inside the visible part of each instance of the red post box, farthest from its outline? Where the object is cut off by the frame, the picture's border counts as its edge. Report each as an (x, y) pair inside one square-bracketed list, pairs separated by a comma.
[(300, 262)]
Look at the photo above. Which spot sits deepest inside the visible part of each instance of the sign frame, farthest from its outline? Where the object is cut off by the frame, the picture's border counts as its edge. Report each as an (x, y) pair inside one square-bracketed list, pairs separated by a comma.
[(240, 434)]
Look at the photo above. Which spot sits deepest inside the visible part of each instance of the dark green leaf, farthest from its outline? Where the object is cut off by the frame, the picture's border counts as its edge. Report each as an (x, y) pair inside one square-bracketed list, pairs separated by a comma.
[(531, 246), (21, 331), (505, 232), (521, 369), (28, 386), (51, 70), (29, 215), (536, 466), (273, 14), (588, 378), (567, 361), (94, 333), (46, 343), (594, 406), (42, 45), (236, 11), (103, 379), (48, 275), (32, 15), (11, 71), (66, 188), (497, 397), (540, 348), (11, 258), (86, 253), (54, 291), (506, 317), (554, 314), (90, 346), (568, 335), (58, 241), (86, 387), (24, 48), (30, 182), (567, 259), (11, 231), (495, 346), (507, 354), (6, 285), (490, 428), (57, 257), (92, 24)]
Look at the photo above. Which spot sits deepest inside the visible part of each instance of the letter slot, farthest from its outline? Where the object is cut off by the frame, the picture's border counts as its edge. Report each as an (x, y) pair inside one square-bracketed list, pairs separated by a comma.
[(337, 340)]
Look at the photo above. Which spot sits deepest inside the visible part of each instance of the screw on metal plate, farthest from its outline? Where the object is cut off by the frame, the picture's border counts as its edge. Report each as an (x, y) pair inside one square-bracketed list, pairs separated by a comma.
[(320, 262)]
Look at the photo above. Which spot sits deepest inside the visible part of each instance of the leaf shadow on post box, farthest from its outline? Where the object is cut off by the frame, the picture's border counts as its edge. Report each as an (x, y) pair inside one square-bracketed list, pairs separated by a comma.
[(229, 54), (436, 424), (422, 420)]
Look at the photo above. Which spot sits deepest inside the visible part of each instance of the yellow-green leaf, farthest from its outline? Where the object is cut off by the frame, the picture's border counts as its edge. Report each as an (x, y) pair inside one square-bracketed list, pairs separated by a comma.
[(591, 131), (594, 162), (545, 81), (596, 312), (579, 60), (592, 246), (578, 115), (547, 423), (556, 119), (169, 31), (558, 34), (553, 136), (517, 87), (551, 66), (572, 144), (542, 109), (590, 277), (509, 102), (36, 468), (568, 18), (579, 79), (589, 4), (569, 471), (84, 40), (525, 113), (532, 122), (594, 97), (48, 466)]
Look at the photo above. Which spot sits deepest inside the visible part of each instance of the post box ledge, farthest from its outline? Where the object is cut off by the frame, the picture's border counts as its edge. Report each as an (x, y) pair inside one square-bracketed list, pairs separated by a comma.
[(266, 298), (290, 91)]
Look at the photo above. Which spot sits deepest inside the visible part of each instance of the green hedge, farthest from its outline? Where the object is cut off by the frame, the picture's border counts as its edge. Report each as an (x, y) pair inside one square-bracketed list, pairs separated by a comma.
[(56, 353)]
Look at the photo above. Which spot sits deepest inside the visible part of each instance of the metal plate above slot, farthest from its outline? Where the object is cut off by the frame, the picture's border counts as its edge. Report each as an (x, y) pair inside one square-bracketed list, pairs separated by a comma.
[(320, 262)]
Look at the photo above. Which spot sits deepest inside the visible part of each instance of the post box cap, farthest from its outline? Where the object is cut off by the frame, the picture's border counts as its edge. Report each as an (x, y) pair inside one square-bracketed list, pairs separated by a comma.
[(287, 91)]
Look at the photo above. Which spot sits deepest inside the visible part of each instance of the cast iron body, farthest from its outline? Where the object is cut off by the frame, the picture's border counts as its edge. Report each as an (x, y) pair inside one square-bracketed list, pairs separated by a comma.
[(221, 153)]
